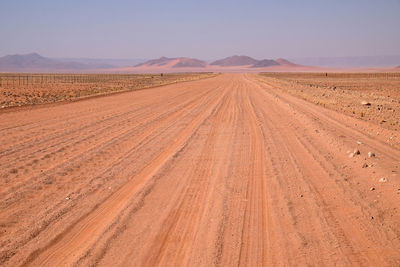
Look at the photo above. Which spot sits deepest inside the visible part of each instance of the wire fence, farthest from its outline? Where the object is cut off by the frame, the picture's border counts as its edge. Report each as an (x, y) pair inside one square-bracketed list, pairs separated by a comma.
[(381, 75), (12, 79)]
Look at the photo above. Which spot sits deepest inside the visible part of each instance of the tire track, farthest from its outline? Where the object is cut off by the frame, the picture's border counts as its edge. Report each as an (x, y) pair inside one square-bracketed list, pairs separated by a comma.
[(122, 133), (183, 221), (347, 231), (255, 236), (223, 172), (81, 234), (163, 122)]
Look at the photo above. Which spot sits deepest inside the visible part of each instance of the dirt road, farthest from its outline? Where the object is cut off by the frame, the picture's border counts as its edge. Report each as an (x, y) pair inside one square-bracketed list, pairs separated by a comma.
[(225, 171)]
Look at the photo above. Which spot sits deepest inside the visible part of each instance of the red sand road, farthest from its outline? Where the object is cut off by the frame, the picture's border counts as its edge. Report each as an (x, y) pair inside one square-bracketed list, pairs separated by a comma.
[(223, 171)]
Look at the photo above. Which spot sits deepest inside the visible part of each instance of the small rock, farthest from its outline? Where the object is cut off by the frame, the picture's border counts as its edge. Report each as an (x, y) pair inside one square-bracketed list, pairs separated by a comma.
[(365, 165), (301, 195), (365, 103), (109, 188), (398, 191), (67, 198), (351, 155), (356, 151), (359, 143), (372, 189), (383, 180), (371, 154)]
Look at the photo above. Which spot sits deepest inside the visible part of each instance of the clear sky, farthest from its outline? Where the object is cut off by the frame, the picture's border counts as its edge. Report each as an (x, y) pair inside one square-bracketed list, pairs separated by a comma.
[(204, 29)]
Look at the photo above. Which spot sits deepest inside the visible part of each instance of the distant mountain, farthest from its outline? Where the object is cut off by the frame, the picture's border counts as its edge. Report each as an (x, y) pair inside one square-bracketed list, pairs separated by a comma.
[(104, 61), (36, 62), (265, 63), (27, 61), (179, 62), (235, 61), (253, 63), (189, 62), (159, 62), (284, 62)]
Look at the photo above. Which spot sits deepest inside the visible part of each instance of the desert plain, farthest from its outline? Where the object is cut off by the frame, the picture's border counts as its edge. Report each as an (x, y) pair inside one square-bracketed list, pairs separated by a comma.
[(233, 169)]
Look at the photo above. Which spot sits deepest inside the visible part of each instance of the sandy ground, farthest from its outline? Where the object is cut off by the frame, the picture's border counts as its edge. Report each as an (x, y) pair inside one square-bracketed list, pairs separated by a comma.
[(370, 97), (32, 89), (223, 171)]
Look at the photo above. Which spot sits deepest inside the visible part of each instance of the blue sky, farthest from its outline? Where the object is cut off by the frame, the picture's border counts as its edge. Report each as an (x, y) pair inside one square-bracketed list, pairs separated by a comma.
[(203, 29)]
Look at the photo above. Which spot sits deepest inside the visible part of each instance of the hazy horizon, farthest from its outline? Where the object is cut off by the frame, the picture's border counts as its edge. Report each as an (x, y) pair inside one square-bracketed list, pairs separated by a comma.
[(207, 30)]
